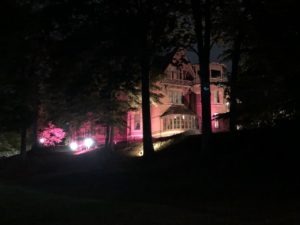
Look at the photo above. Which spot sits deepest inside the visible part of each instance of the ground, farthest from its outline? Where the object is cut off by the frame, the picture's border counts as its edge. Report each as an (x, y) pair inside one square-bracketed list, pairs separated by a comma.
[(247, 178)]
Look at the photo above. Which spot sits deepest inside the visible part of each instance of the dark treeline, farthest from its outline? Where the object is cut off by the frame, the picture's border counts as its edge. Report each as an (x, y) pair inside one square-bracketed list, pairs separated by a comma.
[(63, 59)]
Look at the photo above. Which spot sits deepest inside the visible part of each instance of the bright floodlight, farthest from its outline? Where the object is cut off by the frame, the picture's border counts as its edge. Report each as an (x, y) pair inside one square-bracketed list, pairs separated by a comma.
[(73, 146), (141, 153), (88, 142), (42, 140)]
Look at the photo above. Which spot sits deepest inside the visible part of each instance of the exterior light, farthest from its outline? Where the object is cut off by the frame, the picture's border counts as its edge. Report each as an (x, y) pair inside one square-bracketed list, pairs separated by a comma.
[(141, 153), (42, 140), (227, 106), (73, 146), (88, 142)]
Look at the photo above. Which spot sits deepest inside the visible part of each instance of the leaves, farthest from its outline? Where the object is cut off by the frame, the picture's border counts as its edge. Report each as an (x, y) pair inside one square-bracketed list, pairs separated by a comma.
[(51, 135)]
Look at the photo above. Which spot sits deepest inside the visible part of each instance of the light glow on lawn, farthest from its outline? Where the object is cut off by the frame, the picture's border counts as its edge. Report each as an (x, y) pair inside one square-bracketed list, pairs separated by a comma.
[(136, 149)]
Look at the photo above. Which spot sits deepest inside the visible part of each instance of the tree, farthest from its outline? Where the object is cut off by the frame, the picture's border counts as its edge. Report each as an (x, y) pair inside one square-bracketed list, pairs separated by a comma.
[(232, 25), (95, 90), (202, 19), (15, 114), (140, 31), (51, 135), (264, 83), (25, 66)]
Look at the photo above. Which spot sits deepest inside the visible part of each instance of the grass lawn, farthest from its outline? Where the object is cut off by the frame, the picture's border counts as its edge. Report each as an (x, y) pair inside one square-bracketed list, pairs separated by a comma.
[(254, 182), (27, 206)]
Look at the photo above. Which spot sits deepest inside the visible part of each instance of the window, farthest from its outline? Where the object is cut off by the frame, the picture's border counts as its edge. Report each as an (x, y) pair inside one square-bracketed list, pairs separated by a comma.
[(180, 74), (175, 97), (179, 122), (170, 124), (216, 97), (215, 73), (173, 75), (216, 124), (137, 122)]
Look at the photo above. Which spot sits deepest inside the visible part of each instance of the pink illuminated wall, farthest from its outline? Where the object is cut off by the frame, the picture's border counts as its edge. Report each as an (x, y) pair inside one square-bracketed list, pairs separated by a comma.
[(180, 108)]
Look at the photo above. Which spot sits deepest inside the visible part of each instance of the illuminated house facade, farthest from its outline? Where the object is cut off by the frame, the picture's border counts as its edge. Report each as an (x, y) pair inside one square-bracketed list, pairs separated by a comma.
[(181, 107)]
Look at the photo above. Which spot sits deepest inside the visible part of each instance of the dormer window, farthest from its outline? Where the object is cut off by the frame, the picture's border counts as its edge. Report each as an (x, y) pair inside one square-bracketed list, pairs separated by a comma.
[(215, 74)]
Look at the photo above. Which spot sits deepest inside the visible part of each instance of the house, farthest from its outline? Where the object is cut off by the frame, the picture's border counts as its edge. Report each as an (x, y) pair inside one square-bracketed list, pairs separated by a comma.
[(180, 108)]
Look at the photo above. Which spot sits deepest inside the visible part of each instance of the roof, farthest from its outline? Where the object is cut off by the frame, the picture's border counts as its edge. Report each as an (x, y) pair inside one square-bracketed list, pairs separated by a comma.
[(220, 116), (175, 57), (178, 109)]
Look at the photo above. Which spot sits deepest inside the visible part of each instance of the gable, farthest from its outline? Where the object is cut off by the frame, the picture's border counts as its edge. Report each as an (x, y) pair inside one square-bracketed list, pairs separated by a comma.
[(179, 62)]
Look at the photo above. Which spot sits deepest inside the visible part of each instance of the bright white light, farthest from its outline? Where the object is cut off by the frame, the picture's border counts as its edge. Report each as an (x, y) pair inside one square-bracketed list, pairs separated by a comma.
[(141, 153), (42, 140), (73, 146), (88, 142)]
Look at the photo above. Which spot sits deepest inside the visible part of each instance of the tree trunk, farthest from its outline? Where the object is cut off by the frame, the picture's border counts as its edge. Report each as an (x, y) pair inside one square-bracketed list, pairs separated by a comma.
[(147, 131), (23, 142), (145, 76), (35, 141), (203, 29), (236, 52), (111, 139), (107, 137)]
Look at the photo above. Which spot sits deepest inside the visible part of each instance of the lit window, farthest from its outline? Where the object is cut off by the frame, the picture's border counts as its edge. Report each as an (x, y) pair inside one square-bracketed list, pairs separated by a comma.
[(179, 122), (216, 124), (170, 125)]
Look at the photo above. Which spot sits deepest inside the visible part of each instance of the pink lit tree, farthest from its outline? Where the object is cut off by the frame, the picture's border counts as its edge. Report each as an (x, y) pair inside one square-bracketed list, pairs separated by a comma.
[(51, 135)]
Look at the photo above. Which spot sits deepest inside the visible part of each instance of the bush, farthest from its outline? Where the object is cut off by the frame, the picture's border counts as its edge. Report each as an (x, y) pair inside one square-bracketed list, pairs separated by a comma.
[(9, 143)]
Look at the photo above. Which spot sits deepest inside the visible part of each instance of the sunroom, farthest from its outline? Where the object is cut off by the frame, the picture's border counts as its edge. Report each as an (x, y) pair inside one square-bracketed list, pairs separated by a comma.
[(177, 119)]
